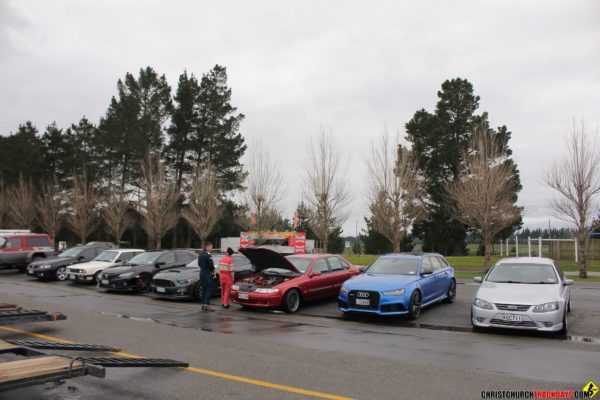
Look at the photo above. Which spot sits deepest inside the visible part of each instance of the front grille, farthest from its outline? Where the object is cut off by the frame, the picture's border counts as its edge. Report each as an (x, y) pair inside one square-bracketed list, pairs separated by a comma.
[(392, 308), (513, 307), (372, 296), (163, 283), (527, 324)]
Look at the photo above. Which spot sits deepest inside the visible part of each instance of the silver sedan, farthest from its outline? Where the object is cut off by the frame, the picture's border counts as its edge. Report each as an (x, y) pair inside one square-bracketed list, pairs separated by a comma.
[(523, 293)]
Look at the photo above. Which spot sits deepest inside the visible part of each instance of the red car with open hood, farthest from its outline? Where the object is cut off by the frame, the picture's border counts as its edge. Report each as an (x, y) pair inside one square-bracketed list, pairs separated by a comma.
[(287, 282)]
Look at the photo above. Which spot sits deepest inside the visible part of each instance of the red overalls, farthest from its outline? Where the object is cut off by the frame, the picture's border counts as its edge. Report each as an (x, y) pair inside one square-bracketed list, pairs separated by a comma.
[(226, 278)]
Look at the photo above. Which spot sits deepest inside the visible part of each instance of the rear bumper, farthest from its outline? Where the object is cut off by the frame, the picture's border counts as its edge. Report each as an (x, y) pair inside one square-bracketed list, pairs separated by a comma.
[(259, 300)]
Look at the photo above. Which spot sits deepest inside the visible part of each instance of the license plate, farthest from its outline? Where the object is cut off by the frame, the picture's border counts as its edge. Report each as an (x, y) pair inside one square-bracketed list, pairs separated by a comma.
[(363, 302), (160, 289), (71, 276), (513, 318), (243, 296), (105, 281)]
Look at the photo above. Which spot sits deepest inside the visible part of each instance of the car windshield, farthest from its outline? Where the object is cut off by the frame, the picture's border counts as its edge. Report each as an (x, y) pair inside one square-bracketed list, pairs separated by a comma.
[(301, 263), (397, 266), (107, 256), (72, 252), (145, 258), (522, 273), (2, 242)]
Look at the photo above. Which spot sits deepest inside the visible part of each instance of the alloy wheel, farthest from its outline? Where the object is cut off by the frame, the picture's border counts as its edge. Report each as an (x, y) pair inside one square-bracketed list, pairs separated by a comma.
[(61, 274)]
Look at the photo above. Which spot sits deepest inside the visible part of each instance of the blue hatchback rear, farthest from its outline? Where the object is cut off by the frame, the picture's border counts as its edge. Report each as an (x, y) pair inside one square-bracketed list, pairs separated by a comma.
[(399, 284)]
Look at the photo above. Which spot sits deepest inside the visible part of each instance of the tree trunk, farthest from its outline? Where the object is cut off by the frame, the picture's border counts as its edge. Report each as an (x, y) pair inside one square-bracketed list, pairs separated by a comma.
[(190, 234), (487, 246), (158, 243), (582, 256)]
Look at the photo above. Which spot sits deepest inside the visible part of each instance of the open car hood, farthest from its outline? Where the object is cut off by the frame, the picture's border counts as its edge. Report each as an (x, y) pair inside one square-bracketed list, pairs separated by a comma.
[(263, 259)]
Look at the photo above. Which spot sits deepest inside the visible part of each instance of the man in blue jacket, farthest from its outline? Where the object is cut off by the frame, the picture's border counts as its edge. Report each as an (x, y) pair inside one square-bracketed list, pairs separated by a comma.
[(207, 270)]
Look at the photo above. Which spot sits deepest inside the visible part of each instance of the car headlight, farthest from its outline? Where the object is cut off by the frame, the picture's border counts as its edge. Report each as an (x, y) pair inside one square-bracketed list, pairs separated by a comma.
[(480, 303), (186, 281), (395, 292), (546, 307), (127, 275), (344, 290), (235, 287), (267, 290)]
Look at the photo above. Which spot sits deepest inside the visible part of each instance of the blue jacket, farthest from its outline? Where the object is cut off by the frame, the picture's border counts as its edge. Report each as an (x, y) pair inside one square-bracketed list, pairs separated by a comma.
[(206, 264)]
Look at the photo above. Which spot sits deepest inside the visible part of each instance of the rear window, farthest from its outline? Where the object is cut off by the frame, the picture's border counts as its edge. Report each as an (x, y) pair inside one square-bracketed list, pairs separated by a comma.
[(37, 241)]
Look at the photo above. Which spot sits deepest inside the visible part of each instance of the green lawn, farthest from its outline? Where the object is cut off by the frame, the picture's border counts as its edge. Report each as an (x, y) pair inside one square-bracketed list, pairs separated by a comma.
[(470, 266)]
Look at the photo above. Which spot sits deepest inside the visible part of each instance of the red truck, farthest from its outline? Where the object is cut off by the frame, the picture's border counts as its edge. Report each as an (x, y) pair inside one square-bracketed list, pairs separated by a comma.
[(19, 248)]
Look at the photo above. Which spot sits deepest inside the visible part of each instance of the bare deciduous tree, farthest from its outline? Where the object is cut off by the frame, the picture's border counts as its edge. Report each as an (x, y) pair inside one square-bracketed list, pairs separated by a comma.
[(51, 205), (116, 212), (158, 208), (395, 194), (576, 179), (484, 194), (21, 204), (204, 209), (83, 214), (264, 190), (3, 206), (325, 191)]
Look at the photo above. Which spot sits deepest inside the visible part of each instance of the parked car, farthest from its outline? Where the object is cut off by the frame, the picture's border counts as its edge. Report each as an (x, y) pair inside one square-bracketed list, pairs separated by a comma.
[(399, 284), (55, 267), (523, 293), (183, 283), (287, 282), (19, 248), (89, 271), (136, 275)]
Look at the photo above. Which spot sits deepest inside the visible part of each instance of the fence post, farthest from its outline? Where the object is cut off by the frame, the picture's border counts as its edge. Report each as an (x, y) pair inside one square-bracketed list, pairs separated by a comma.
[(516, 246), (576, 251), (500, 247), (540, 246), (529, 245), (507, 249)]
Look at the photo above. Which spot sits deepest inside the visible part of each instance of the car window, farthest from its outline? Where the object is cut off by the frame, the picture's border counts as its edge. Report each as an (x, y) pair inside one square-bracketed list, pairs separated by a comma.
[(344, 263), (88, 254), (13, 243), (426, 267), (443, 261), (335, 264), (321, 266), (167, 258), (240, 262), (126, 256), (37, 241), (435, 263)]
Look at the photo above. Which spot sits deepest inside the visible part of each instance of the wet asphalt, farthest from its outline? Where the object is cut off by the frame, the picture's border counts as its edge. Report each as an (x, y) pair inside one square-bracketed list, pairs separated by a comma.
[(317, 349)]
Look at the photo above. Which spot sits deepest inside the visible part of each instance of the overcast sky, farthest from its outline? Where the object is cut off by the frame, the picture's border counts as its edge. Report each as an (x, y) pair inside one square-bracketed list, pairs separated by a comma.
[(295, 66)]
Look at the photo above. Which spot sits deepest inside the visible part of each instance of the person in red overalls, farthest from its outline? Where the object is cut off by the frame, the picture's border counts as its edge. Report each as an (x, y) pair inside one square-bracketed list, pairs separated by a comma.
[(226, 276)]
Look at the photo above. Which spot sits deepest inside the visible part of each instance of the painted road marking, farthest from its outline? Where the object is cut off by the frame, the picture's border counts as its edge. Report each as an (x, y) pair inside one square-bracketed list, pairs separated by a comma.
[(201, 371)]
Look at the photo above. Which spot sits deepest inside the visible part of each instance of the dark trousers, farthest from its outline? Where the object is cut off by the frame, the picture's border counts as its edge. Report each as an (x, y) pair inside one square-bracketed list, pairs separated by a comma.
[(206, 281)]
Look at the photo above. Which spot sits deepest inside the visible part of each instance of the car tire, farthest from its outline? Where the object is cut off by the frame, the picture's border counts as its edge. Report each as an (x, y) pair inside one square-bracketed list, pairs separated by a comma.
[(565, 327), (143, 283), (569, 305), (61, 274), (451, 293), (198, 291), (96, 279), (291, 301), (414, 306)]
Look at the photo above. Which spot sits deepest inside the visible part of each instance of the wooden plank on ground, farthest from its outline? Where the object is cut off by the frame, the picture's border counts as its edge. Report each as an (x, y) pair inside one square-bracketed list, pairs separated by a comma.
[(32, 367)]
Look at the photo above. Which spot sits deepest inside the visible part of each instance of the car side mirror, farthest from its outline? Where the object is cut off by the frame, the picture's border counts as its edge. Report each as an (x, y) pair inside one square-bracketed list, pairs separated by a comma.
[(159, 264), (477, 279), (362, 269), (316, 273), (80, 258), (569, 282)]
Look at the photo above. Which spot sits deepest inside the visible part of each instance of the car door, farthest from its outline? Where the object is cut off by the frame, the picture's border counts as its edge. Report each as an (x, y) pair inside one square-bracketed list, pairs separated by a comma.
[(438, 274), (339, 274), (13, 251), (318, 283), (446, 275), (427, 280)]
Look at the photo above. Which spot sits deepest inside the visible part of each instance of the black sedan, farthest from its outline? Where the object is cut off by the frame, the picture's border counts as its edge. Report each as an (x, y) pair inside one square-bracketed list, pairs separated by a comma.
[(56, 267), (184, 283), (136, 275)]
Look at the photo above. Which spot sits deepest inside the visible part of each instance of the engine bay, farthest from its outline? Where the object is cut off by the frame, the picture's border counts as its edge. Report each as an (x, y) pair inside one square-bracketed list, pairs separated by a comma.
[(270, 277)]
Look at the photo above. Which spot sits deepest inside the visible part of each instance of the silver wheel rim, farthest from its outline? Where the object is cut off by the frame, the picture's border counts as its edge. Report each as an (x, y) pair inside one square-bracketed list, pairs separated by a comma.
[(61, 274), (452, 291), (293, 301), (416, 305)]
